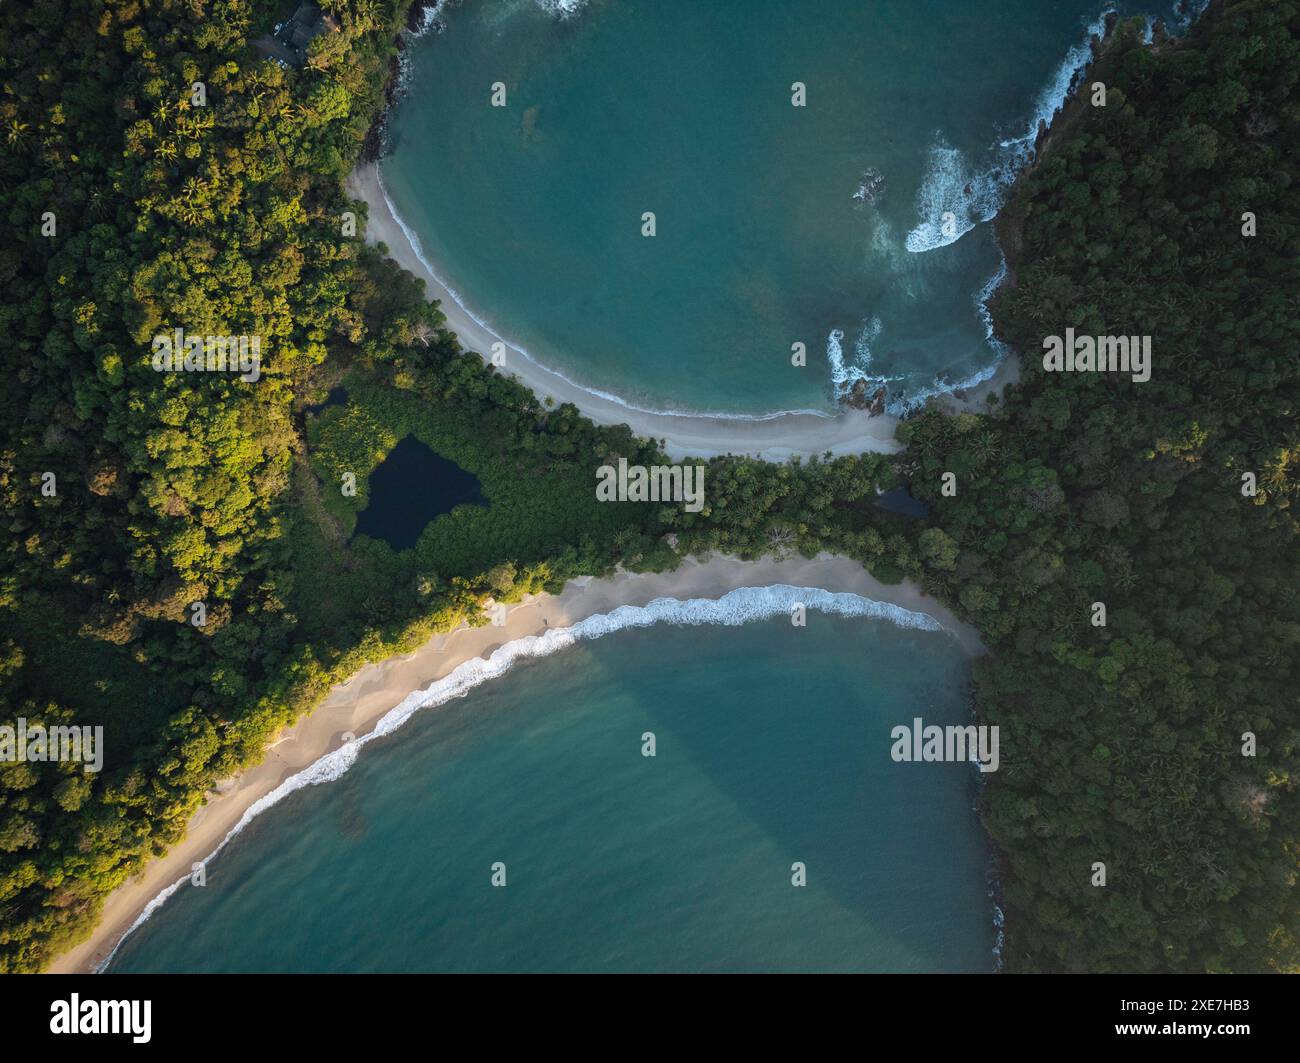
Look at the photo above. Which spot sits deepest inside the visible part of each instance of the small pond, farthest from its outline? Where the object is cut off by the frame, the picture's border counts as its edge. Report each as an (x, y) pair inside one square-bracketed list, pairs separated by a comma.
[(411, 487)]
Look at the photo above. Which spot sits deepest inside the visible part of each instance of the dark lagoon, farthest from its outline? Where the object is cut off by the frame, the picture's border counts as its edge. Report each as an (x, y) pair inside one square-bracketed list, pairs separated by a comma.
[(411, 487)]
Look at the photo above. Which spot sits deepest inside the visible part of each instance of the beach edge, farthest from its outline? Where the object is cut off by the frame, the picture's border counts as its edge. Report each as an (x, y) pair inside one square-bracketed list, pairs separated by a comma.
[(354, 707)]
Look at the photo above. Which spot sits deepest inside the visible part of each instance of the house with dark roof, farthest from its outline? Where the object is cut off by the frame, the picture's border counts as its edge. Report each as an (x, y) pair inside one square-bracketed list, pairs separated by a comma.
[(287, 45)]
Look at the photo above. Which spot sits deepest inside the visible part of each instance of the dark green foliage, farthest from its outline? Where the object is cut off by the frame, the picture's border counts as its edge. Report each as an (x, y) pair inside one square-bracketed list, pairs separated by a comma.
[(1122, 744), (1119, 744)]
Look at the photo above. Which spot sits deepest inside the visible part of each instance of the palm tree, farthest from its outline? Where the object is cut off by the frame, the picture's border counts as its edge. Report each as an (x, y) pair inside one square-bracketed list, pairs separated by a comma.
[(987, 446)]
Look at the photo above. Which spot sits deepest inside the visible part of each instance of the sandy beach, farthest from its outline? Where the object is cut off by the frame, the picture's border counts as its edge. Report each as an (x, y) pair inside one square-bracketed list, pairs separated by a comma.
[(773, 439), (356, 706), (353, 708)]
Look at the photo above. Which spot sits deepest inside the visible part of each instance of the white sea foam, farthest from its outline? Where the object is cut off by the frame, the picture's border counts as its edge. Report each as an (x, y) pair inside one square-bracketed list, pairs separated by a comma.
[(843, 374), (951, 188), (869, 334), (562, 8), (741, 606), (418, 248), (950, 184), (1192, 10), (973, 198), (432, 18)]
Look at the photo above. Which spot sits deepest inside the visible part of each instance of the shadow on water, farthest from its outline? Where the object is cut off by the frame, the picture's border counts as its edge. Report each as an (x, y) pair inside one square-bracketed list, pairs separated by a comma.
[(411, 487), (618, 861), (914, 823), (797, 758)]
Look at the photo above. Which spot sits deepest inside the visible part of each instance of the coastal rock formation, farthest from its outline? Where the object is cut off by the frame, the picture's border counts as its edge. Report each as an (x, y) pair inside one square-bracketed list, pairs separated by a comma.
[(1040, 136), (416, 15), (860, 397)]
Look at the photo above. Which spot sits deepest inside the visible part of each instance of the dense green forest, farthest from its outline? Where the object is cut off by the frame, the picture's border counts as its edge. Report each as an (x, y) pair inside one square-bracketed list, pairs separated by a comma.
[(1120, 744), (1123, 743)]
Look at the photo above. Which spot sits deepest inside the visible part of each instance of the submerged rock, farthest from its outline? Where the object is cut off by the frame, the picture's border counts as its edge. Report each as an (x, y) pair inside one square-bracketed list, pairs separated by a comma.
[(871, 188)]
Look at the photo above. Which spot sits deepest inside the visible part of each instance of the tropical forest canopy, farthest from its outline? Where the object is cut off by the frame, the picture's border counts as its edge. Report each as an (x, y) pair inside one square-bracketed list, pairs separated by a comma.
[(1120, 744)]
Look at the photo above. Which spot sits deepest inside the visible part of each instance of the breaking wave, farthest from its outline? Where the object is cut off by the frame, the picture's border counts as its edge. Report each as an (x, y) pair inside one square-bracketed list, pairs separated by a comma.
[(432, 18), (952, 193), (952, 199), (741, 606), (562, 8)]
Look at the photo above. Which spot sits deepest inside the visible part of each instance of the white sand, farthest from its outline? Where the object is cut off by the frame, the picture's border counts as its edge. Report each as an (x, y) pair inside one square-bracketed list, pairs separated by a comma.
[(774, 439), (358, 704)]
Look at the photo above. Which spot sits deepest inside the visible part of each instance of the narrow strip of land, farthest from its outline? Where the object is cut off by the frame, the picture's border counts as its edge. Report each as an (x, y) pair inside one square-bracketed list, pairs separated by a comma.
[(356, 706)]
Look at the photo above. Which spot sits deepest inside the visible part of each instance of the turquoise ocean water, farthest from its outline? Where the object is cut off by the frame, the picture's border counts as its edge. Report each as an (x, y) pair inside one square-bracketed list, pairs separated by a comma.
[(532, 212), (772, 747), (773, 744)]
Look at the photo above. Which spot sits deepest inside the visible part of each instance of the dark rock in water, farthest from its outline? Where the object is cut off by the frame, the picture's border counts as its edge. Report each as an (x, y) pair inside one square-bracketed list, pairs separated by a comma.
[(856, 399), (415, 17), (871, 188), (1040, 135), (861, 397)]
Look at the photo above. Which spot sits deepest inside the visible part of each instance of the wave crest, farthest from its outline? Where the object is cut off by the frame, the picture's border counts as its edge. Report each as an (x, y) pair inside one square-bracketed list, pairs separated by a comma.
[(952, 200), (741, 606), (562, 8)]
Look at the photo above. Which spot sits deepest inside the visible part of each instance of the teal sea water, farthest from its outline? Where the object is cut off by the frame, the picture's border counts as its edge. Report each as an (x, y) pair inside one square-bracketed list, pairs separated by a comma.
[(858, 225), (772, 747), (773, 743)]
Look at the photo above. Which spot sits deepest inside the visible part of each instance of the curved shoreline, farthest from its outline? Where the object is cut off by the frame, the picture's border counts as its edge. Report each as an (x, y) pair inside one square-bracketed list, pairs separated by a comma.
[(776, 437), (359, 705)]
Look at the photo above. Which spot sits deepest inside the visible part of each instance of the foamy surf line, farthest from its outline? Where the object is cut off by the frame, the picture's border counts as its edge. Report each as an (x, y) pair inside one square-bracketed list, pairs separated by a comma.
[(417, 248), (951, 188), (741, 606)]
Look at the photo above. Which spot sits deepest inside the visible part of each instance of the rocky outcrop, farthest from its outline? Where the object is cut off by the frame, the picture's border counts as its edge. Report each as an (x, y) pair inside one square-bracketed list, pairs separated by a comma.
[(861, 397)]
